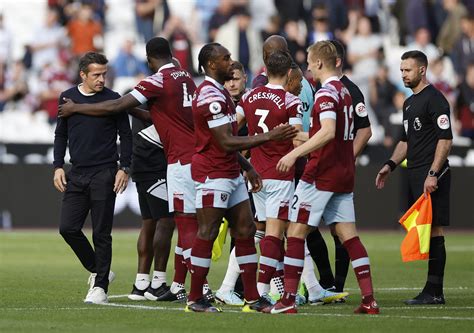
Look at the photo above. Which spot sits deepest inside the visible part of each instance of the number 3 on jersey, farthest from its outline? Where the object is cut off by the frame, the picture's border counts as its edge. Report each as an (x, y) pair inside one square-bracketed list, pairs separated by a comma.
[(187, 98), (263, 115)]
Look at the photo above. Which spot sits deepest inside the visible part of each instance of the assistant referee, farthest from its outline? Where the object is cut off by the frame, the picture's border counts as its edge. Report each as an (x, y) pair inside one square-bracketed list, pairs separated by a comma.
[(425, 144)]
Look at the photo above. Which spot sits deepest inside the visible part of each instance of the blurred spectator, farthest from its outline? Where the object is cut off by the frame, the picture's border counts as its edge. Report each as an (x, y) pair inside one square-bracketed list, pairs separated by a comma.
[(416, 18), (346, 35), (422, 42), (291, 10), (396, 129), (15, 86), (242, 40), (465, 103), (463, 51), (336, 12), (272, 27), (54, 80), (319, 26), (382, 92), (5, 42), (85, 33), (220, 17), (47, 41), (261, 11), (180, 42), (127, 64), (436, 78), (451, 28), (144, 17), (205, 9), (296, 42), (98, 8)]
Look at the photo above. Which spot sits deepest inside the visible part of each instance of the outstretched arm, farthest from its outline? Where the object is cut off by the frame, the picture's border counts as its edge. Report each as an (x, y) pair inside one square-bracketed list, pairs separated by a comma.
[(399, 154), (99, 109)]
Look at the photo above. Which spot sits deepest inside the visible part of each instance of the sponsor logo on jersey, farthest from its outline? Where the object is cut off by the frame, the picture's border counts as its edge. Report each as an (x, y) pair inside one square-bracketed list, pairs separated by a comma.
[(326, 106), (139, 86), (417, 124), (361, 110), (215, 107), (443, 122)]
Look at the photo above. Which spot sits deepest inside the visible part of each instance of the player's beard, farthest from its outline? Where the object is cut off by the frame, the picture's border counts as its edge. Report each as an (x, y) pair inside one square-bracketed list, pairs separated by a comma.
[(413, 83)]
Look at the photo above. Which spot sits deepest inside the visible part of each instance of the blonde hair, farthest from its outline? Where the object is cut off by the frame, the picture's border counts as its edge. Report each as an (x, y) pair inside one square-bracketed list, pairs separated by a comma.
[(325, 51)]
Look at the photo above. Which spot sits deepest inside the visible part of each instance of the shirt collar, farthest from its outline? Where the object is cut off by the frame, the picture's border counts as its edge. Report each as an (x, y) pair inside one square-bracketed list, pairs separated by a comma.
[(329, 79), (214, 82), (274, 86), (79, 87), (166, 66)]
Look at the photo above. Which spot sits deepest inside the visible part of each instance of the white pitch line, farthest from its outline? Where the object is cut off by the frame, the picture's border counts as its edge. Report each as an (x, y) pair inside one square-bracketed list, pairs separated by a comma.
[(117, 296), (406, 288), (312, 314)]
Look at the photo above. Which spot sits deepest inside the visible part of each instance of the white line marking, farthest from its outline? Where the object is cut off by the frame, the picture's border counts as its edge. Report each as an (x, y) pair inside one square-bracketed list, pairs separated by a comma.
[(406, 288), (117, 296)]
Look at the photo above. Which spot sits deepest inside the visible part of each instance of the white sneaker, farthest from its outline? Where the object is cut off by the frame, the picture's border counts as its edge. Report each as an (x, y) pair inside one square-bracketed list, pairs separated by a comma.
[(96, 295), (229, 298), (91, 280), (326, 297)]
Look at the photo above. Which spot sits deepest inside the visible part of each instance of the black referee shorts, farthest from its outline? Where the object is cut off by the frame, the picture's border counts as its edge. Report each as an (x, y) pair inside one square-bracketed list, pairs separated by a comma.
[(151, 194), (439, 198)]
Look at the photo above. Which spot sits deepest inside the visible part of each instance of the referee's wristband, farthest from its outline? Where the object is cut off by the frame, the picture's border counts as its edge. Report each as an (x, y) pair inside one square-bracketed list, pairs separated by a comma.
[(391, 164)]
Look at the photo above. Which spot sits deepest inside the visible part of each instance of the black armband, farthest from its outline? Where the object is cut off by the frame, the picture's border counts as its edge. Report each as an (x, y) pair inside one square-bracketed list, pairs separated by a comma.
[(391, 164)]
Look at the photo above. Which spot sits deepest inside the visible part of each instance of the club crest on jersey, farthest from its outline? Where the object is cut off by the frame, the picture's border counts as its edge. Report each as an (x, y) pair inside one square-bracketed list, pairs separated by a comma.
[(224, 196), (215, 108), (360, 110), (443, 122), (417, 124)]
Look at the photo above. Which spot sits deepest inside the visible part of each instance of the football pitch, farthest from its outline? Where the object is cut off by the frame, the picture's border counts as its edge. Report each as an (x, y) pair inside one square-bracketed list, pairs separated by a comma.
[(43, 286)]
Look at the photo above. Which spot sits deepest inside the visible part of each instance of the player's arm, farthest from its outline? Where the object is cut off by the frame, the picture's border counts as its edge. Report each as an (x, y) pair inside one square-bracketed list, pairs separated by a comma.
[(59, 148), (104, 108), (241, 120), (300, 137), (318, 140), (250, 174), (398, 155), (125, 135), (360, 141), (141, 114), (229, 142)]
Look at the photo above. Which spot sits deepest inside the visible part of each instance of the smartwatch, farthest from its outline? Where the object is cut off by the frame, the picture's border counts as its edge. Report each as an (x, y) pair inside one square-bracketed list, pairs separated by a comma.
[(125, 169), (433, 173)]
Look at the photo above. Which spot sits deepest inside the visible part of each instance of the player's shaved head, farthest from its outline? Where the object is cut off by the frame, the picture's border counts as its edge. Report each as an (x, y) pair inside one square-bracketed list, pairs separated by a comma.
[(272, 44), (158, 48)]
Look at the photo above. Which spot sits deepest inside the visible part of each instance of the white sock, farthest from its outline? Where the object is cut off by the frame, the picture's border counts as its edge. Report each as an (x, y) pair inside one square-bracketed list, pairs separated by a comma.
[(142, 281), (158, 279), (175, 287), (231, 275), (309, 278), (259, 234), (263, 288)]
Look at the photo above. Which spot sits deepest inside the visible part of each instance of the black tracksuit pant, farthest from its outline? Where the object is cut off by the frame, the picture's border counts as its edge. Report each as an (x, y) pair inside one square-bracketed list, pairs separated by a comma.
[(94, 193)]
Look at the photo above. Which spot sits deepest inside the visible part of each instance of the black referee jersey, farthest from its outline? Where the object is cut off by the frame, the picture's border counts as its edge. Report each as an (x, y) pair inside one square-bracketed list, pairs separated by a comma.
[(361, 118)]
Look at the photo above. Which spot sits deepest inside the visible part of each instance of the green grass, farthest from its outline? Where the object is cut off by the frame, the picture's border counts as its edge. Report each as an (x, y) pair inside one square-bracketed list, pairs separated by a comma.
[(42, 286)]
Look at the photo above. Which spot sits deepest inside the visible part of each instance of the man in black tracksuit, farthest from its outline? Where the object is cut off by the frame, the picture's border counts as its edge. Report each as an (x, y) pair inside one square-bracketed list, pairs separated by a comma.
[(95, 178)]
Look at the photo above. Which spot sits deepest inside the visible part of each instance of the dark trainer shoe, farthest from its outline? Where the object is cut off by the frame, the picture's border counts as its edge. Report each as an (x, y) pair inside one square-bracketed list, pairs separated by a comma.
[(168, 296), (263, 304), (202, 305), (426, 299), (137, 294), (154, 294)]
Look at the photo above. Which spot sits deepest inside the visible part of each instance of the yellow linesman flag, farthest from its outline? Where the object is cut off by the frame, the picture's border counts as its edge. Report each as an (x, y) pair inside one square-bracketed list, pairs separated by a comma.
[(417, 223), (220, 240)]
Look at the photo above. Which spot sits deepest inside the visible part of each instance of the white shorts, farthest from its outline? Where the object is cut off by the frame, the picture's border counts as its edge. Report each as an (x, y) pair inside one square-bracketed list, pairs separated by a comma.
[(221, 192), (273, 200), (310, 205), (181, 191)]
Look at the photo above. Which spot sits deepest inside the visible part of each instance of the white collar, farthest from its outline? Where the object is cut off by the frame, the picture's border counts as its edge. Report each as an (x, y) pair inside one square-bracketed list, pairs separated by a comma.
[(329, 79), (79, 87), (213, 81), (274, 86), (165, 66)]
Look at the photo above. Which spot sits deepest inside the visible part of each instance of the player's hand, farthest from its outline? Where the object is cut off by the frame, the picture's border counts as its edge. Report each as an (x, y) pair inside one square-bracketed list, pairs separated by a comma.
[(59, 180), (121, 182), (254, 179), (283, 132), (382, 177), (431, 185), (67, 109), (285, 163)]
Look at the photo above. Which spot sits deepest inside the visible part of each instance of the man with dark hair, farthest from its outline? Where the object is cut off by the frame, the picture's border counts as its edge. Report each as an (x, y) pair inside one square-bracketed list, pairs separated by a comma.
[(362, 133), (325, 189), (220, 189), (263, 109), (94, 180), (425, 144), (169, 94)]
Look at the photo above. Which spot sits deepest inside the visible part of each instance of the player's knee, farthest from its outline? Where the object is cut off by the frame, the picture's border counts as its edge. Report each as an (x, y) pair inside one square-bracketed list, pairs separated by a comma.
[(246, 230), (208, 231), (165, 227), (68, 231)]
